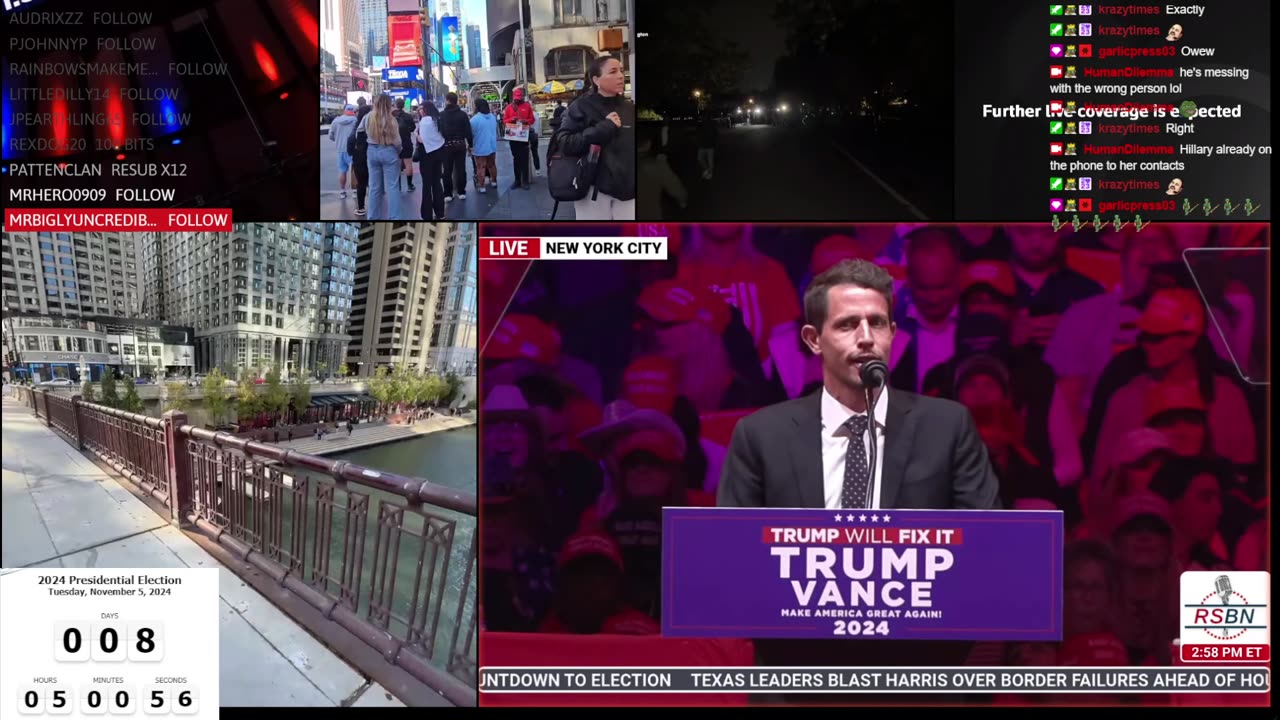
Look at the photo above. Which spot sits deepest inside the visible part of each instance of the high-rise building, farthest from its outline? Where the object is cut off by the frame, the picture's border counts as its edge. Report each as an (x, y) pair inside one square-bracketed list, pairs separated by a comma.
[(453, 345), (74, 306), (264, 294), (352, 37), (475, 54), (373, 29), (503, 20), (341, 34), (72, 274), (399, 273)]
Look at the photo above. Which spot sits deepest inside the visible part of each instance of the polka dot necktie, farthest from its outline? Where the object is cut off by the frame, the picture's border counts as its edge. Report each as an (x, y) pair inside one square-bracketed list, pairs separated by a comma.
[(857, 476)]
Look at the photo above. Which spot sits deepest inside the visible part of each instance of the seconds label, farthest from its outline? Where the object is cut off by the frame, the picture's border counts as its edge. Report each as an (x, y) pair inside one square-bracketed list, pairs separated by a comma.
[(87, 643)]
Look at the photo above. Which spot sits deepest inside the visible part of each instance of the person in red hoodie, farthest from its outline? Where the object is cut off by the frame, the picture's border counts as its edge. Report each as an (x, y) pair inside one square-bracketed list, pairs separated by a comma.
[(588, 593), (519, 114)]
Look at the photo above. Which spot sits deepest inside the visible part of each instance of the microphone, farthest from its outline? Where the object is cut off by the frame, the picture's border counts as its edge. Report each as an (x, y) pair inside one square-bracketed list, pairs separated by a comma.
[(874, 373), (1222, 586)]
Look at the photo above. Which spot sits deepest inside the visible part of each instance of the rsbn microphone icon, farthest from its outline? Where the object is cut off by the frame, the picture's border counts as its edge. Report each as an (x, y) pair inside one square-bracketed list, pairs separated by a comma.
[(1222, 586)]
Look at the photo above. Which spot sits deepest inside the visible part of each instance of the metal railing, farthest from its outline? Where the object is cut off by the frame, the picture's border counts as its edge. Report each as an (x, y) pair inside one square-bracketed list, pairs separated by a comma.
[(389, 559)]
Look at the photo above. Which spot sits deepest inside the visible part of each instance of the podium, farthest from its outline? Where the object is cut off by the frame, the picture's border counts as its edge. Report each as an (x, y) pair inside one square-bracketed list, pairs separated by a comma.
[(961, 575)]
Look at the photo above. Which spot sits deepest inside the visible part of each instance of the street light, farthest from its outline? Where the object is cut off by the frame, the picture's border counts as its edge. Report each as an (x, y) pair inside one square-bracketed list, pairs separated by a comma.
[(697, 93)]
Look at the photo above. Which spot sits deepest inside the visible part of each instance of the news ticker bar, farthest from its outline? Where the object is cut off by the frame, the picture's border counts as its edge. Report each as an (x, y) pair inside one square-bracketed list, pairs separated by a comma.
[(573, 248), (979, 680)]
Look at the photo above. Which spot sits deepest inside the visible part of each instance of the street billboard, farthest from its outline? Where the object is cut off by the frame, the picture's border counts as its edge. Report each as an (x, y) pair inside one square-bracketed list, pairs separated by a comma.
[(400, 95), (379, 62), (404, 34), (451, 39), (402, 74)]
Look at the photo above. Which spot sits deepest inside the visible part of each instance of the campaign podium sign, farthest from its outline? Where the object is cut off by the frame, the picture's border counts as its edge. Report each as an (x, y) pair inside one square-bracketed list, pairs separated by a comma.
[(872, 574)]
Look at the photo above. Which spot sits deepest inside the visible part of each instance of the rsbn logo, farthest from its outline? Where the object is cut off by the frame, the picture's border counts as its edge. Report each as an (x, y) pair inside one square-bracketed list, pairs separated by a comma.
[(13, 4), (1225, 616)]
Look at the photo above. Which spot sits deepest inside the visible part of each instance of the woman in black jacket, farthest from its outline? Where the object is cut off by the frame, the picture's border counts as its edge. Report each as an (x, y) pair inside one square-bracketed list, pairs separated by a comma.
[(360, 158), (604, 117)]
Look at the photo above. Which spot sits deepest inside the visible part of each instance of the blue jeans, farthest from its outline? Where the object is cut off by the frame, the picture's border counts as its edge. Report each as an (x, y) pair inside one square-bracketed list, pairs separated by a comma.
[(384, 168)]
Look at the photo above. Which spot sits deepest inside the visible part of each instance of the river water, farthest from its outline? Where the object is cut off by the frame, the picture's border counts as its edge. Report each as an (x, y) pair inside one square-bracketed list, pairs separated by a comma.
[(445, 458)]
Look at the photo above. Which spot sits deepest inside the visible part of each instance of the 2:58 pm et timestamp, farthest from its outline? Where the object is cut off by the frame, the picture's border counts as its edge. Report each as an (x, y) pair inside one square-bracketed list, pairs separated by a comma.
[(1225, 652)]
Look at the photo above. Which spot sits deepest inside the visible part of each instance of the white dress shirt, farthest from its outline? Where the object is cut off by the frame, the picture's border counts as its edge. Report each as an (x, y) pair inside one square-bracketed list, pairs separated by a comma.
[(835, 446)]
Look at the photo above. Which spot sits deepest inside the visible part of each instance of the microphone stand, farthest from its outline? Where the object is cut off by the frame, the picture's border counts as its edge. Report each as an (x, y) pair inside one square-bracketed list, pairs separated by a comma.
[(872, 396)]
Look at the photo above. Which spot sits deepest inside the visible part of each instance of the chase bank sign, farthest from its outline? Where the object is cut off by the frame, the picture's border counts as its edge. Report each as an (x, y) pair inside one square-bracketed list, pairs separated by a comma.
[(402, 74)]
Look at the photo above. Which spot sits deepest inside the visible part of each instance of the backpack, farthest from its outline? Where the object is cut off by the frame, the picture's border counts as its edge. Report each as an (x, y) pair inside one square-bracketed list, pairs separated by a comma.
[(357, 143), (569, 178)]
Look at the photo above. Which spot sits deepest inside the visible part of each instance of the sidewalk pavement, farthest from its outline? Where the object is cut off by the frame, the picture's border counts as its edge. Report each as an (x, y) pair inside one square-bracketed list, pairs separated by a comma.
[(535, 203), (60, 509), (369, 435)]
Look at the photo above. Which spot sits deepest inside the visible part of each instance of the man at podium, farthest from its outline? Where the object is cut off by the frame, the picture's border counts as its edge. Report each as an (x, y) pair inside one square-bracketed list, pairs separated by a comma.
[(826, 451), (817, 451)]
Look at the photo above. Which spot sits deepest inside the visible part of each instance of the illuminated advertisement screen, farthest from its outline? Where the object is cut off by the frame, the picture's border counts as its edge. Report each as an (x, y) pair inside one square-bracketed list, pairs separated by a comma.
[(403, 34), (451, 39), (402, 74)]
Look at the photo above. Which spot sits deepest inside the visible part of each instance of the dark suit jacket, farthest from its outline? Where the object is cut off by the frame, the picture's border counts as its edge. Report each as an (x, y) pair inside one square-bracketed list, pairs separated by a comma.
[(933, 459)]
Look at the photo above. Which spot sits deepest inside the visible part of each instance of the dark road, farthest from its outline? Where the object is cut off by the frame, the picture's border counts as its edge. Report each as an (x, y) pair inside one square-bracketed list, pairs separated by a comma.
[(771, 173)]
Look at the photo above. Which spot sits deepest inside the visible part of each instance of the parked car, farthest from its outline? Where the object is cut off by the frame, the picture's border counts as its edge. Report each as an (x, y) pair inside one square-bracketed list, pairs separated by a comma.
[(58, 382)]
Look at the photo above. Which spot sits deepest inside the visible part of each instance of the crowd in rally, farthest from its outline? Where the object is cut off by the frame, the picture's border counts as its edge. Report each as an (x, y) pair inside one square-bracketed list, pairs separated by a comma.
[(1105, 380)]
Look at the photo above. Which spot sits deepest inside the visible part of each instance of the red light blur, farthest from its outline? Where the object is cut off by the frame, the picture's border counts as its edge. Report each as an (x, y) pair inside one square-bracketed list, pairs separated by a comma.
[(306, 23), (60, 110), (284, 96), (115, 115), (265, 62), (120, 156)]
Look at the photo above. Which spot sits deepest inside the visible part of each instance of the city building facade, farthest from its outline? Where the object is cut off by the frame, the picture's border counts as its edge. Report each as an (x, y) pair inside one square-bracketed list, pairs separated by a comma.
[(567, 35), (373, 29), (399, 285), (453, 346), (41, 347), (475, 55), (503, 19), (71, 274), (340, 34), (262, 295)]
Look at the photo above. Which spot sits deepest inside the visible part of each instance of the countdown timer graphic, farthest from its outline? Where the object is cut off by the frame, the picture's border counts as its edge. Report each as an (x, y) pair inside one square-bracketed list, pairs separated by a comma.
[(87, 643)]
